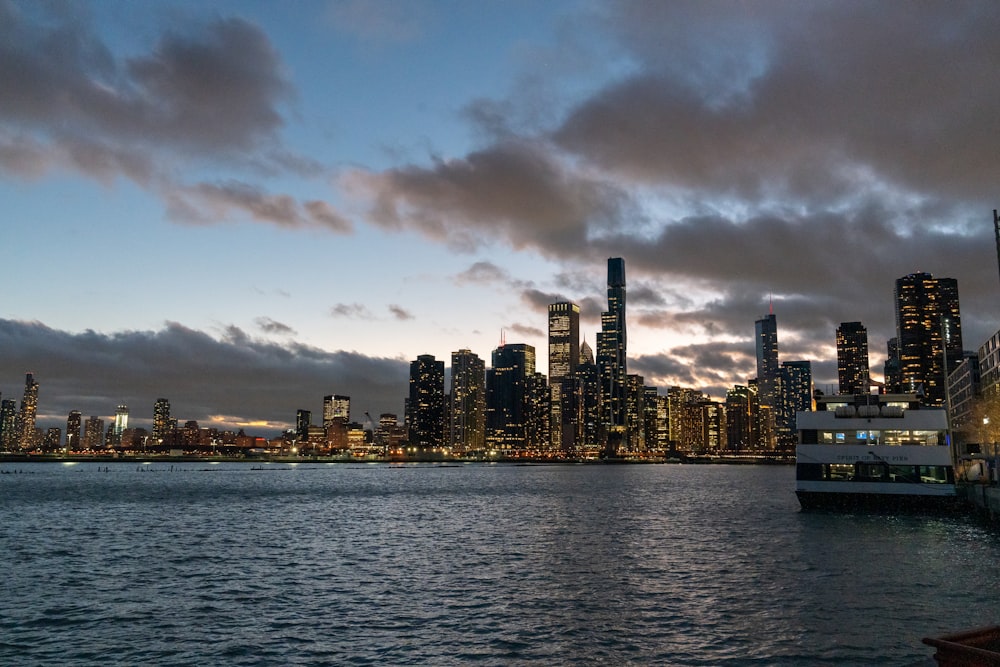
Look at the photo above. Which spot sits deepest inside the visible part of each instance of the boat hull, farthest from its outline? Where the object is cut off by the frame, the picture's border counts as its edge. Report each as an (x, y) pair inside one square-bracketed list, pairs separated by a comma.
[(890, 503)]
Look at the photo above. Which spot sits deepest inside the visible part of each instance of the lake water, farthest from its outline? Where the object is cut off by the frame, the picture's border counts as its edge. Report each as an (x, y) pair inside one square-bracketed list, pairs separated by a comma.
[(197, 564)]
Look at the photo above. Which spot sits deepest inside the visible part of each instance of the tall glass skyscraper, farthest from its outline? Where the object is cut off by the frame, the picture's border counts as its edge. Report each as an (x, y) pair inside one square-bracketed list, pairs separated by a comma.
[(766, 337), (161, 420), (928, 333), (467, 430), (564, 358), (611, 359), (27, 414), (74, 424), (426, 402), (852, 358), (509, 399)]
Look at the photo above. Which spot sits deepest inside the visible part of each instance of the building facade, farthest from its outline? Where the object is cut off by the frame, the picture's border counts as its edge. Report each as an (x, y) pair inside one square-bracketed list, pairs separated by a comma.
[(852, 358)]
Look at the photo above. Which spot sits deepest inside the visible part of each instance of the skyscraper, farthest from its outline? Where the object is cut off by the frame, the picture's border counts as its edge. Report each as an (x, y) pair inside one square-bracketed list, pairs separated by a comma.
[(766, 337), (564, 357), (852, 358), (796, 395), (93, 433), (467, 430), (336, 406), (121, 420), (9, 434), (509, 399), (26, 416), (73, 426), (426, 402), (161, 420), (303, 419), (611, 359), (929, 333)]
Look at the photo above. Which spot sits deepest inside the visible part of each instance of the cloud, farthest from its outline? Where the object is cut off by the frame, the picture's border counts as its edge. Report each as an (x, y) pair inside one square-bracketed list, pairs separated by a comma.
[(247, 379), (400, 313), (267, 325), (207, 203), (513, 191), (379, 22), (211, 96), (356, 311)]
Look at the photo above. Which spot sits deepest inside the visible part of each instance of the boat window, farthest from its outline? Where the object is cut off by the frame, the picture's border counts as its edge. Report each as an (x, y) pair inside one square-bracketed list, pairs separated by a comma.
[(809, 471), (839, 472)]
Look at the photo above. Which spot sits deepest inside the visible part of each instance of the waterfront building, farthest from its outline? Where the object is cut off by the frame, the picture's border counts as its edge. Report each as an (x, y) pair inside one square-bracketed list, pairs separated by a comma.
[(741, 411), (336, 406), (795, 395), (426, 404), (635, 412), (73, 430), (929, 334), (713, 421), (303, 419), (588, 388), (121, 422), (852, 358), (53, 438), (651, 428), (766, 339), (27, 414), (8, 425), (611, 360), (467, 417), (93, 433), (564, 358), (161, 419), (509, 400)]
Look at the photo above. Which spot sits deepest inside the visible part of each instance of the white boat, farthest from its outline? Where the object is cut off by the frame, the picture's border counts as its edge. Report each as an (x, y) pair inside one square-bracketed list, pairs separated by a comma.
[(881, 452)]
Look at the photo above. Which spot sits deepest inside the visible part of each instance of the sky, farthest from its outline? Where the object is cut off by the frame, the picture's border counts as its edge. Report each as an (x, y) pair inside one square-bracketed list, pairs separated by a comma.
[(245, 206)]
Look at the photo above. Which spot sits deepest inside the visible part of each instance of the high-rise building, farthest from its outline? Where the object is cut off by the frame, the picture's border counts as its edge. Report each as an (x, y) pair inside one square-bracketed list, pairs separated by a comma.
[(8, 425), (121, 421), (509, 401), (766, 337), (73, 427), (852, 358), (467, 430), (795, 390), (426, 403), (588, 387), (161, 420), (929, 333), (611, 359), (93, 433), (303, 420), (564, 357), (27, 414), (336, 406), (741, 418)]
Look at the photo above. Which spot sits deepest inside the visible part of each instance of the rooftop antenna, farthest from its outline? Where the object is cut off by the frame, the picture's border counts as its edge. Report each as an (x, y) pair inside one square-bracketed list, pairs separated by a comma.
[(503, 338), (770, 303)]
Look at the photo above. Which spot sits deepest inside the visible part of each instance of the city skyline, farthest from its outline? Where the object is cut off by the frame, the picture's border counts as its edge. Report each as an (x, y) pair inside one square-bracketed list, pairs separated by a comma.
[(377, 181)]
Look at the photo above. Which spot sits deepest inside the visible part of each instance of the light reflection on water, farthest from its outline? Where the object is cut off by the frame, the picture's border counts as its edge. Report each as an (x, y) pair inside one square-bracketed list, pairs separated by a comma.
[(481, 564)]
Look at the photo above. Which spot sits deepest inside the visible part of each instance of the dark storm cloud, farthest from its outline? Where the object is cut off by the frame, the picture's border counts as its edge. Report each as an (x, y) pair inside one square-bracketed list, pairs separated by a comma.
[(210, 96), (235, 380), (513, 191)]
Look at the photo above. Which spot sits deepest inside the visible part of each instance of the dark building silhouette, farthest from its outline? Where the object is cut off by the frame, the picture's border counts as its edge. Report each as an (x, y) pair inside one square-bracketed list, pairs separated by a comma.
[(426, 404), (852, 358), (796, 395)]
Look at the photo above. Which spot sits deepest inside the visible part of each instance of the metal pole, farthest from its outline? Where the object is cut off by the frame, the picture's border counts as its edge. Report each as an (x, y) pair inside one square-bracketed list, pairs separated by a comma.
[(996, 231)]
